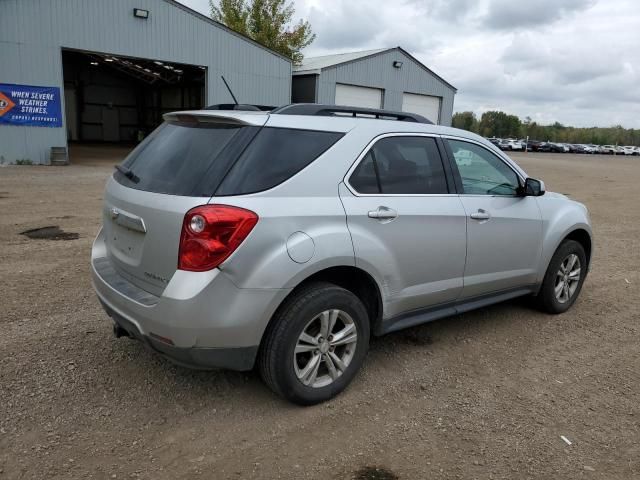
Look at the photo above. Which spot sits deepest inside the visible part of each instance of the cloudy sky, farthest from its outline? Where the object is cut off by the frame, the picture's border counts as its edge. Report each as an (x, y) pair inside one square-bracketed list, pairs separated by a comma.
[(572, 61)]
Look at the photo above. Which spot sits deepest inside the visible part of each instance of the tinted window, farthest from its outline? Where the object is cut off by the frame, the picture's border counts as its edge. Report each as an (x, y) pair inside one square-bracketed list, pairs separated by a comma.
[(275, 155), (175, 158), (482, 172), (401, 166), (364, 178)]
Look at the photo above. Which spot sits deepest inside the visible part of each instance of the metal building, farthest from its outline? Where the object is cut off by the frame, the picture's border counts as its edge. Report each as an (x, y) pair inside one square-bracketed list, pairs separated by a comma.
[(106, 71), (387, 78)]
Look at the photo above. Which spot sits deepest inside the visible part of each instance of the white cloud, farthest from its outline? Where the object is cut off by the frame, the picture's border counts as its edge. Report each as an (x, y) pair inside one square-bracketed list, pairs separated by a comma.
[(510, 14), (572, 61)]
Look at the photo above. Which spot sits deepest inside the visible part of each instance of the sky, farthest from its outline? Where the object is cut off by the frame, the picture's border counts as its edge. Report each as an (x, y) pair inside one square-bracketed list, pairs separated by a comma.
[(572, 61)]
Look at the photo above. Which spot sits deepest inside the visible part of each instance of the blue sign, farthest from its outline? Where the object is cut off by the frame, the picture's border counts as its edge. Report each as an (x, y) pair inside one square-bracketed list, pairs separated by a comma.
[(30, 106)]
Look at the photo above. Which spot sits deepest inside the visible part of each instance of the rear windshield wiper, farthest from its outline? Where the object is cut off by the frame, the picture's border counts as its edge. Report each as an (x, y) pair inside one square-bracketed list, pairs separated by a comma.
[(128, 173)]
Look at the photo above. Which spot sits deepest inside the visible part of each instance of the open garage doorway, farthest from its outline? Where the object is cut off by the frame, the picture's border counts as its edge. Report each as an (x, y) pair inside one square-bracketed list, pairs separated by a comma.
[(112, 102)]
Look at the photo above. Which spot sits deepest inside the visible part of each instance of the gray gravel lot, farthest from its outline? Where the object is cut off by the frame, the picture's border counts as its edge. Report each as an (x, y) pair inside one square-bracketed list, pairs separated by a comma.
[(482, 395)]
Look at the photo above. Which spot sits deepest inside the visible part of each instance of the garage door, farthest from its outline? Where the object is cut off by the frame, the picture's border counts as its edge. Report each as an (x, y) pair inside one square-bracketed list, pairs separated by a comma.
[(358, 96), (424, 105)]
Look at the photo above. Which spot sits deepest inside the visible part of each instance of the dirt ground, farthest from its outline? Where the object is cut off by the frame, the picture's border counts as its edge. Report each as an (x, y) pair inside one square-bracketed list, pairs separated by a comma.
[(483, 395)]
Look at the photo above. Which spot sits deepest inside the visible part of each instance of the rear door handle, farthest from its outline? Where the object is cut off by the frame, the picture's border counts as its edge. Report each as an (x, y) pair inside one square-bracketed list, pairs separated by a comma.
[(481, 215), (383, 213)]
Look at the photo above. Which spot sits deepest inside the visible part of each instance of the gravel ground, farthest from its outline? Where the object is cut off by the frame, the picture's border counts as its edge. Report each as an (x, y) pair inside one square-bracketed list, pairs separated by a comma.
[(486, 394)]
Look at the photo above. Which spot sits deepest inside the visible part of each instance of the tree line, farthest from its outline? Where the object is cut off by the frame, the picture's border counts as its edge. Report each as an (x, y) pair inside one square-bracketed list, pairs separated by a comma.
[(502, 125)]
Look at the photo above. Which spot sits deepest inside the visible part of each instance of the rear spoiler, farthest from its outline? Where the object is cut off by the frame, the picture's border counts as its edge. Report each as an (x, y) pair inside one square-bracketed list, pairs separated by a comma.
[(227, 117)]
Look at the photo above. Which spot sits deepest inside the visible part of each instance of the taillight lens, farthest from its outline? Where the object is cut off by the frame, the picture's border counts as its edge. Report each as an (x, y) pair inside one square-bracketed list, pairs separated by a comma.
[(210, 233)]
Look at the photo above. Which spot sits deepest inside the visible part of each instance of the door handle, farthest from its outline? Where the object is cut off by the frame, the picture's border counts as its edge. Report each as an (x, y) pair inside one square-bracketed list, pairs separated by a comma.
[(383, 213), (480, 215)]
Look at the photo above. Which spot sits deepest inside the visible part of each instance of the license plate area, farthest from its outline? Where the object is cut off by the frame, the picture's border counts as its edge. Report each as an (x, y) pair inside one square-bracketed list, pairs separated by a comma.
[(126, 236)]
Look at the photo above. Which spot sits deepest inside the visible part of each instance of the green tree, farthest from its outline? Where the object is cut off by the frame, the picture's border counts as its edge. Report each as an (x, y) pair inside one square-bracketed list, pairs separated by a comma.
[(268, 22), (499, 124), (466, 121)]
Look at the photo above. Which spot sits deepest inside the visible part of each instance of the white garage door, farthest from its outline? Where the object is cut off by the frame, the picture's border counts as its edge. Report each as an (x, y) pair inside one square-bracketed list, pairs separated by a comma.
[(358, 96), (424, 105)]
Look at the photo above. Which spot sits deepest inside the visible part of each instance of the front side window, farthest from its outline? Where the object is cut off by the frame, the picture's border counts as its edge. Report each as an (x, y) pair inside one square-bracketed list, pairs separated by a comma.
[(482, 172), (401, 166)]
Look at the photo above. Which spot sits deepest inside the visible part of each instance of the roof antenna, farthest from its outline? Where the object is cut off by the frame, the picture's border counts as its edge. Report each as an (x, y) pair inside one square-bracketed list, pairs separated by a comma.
[(229, 88)]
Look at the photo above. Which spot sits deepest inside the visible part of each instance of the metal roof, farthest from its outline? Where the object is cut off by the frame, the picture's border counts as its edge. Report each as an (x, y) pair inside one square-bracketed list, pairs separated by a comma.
[(318, 63), (314, 65)]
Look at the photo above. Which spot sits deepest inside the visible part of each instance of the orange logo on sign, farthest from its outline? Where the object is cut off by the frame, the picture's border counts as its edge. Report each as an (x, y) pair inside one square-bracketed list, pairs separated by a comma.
[(5, 104)]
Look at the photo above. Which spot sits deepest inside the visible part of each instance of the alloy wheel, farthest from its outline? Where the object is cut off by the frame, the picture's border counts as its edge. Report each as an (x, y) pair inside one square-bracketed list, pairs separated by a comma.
[(325, 348), (567, 278)]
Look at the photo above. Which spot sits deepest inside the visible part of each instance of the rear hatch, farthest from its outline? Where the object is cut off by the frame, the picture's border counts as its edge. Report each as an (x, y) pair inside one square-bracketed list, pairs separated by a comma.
[(179, 166)]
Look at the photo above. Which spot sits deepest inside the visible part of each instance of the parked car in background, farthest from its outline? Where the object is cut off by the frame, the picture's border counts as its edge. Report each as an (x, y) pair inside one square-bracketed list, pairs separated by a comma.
[(533, 145), (589, 149), (522, 144), (575, 148), (597, 149), (608, 149), (551, 147), (214, 257), (544, 147), (554, 147), (629, 150), (463, 158), (510, 145)]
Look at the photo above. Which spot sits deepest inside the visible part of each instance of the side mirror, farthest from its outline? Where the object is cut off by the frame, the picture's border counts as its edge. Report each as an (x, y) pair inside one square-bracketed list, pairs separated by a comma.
[(533, 187)]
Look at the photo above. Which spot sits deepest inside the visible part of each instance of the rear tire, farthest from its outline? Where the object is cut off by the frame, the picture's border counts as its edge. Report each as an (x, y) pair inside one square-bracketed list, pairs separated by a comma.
[(315, 345), (564, 278)]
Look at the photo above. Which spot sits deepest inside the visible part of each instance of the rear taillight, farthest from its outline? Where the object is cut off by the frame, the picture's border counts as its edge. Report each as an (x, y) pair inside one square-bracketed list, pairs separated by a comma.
[(210, 233)]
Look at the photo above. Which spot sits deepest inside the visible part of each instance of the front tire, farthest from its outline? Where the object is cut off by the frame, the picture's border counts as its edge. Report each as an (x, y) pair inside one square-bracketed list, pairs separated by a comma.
[(564, 278), (315, 345)]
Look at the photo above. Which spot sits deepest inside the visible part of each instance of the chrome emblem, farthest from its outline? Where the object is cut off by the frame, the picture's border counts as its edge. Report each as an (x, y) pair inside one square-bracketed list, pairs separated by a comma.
[(114, 213)]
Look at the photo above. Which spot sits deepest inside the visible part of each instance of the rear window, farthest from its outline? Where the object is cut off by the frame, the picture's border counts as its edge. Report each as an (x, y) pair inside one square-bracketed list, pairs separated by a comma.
[(275, 155), (215, 159), (179, 159)]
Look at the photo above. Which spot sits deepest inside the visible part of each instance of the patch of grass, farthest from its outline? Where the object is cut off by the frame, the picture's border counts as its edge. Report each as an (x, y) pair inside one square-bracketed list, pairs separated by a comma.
[(24, 161)]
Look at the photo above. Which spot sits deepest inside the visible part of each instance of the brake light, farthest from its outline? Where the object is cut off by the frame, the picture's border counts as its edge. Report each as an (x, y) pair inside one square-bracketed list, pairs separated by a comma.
[(210, 233)]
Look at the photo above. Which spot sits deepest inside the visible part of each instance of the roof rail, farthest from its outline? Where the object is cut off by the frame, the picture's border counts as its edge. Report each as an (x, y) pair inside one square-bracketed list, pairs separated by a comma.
[(241, 106), (320, 110)]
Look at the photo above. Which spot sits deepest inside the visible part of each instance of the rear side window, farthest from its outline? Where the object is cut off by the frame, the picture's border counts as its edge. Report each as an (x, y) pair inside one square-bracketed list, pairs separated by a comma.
[(401, 166), (184, 159), (364, 178), (275, 155)]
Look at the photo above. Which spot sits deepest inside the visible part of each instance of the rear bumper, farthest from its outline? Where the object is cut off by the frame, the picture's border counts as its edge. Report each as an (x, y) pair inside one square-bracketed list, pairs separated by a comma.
[(241, 358), (202, 318)]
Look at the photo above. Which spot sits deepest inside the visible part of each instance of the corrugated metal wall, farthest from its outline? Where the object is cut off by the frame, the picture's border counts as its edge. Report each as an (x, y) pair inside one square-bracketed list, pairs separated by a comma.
[(32, 33), (377, 71)]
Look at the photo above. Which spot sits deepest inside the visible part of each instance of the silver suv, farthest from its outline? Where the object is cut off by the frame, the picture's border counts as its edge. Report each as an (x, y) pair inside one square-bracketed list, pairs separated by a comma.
[(285, 239)]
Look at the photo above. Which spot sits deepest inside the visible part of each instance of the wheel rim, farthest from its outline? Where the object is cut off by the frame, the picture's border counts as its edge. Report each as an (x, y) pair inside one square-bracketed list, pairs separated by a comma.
[(325, 348), (567, 278)]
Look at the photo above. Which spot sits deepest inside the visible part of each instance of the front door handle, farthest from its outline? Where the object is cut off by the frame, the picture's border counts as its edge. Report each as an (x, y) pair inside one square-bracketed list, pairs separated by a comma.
[(383, 213), (481, 215)]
